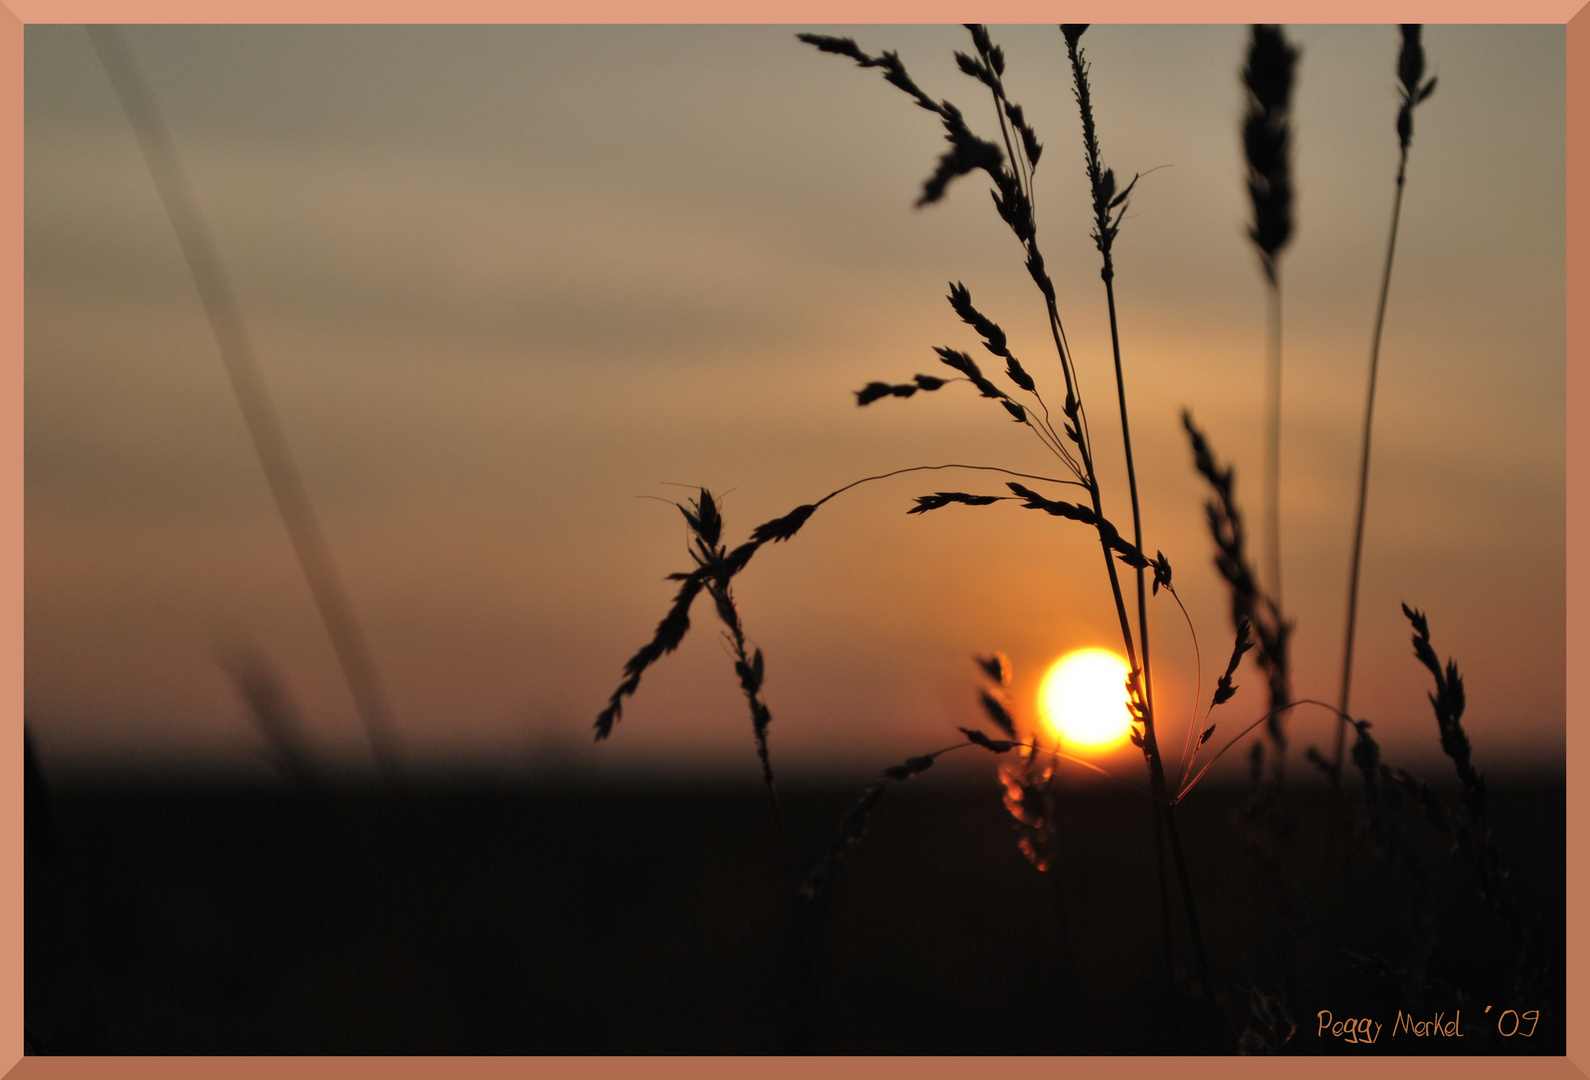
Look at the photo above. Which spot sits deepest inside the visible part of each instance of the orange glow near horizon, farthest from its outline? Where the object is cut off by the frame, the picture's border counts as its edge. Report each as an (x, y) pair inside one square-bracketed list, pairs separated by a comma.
[(1082, 700)]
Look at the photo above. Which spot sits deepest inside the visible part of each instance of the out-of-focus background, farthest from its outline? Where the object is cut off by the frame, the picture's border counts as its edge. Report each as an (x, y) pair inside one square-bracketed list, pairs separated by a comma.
[(509, 284)]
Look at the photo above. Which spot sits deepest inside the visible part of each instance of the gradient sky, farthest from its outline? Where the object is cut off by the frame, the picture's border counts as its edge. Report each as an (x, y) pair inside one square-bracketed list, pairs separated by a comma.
[(504, 281)]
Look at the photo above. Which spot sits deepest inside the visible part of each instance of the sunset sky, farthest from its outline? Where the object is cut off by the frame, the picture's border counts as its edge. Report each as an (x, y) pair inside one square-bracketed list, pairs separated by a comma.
[(509, 285)]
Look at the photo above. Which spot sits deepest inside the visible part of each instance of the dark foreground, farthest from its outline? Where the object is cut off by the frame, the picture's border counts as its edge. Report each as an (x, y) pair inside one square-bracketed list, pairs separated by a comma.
[(459, 920)]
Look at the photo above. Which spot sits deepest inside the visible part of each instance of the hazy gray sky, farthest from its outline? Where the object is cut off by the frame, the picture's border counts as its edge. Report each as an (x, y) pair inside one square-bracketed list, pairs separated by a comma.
[(504, 280)]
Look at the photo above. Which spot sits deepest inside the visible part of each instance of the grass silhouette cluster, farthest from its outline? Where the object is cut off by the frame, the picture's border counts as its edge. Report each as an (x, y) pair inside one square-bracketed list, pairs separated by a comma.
[(1394, 800)]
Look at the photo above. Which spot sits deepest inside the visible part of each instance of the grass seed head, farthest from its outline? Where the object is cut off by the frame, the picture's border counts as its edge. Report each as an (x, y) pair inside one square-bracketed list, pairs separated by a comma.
[(941, 499), (1030, 804), (910, 767), (784, 527), (1225, 691), (1448, 701), (1267, 141), (996, 667), (669, 633), (875, 390), (1410, 69), (998, 746), (999, 712)]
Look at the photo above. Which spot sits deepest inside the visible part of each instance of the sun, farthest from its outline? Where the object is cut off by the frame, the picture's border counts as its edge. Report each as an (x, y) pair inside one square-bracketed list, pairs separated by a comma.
[(1082, 700)]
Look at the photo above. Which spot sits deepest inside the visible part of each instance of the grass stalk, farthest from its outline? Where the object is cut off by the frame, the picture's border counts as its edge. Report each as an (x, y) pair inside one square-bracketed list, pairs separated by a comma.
[(1410, 73), (1106, 224), (1268, 77), (1109, 207), (248, 384), (1344, 697), (1164, 897)]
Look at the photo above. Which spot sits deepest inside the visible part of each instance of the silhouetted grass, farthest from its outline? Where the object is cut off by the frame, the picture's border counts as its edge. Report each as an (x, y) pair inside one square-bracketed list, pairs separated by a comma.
[(637, 922), (1014, 203), (1259, 1017), (1410, 72), (232, 340), (1267, 145)]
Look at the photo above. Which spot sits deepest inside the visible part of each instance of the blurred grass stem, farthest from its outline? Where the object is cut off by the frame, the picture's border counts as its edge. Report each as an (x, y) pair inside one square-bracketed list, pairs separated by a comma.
[(237, 352)]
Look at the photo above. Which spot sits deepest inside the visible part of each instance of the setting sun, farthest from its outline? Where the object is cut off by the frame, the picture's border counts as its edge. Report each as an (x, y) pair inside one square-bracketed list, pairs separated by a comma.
[(1082, 700)]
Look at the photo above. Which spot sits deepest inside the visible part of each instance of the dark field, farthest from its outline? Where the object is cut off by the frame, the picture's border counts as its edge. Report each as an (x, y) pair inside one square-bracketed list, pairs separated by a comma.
[(475, 920)]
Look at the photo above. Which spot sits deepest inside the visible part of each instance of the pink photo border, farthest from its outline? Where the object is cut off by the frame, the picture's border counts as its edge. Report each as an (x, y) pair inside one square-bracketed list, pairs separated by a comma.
[(15, 14)]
